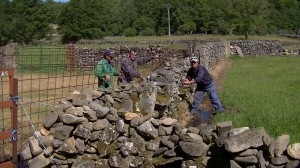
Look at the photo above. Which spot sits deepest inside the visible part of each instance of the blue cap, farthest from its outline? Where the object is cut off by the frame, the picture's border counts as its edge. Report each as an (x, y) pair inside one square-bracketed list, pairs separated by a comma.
[(108, 53)]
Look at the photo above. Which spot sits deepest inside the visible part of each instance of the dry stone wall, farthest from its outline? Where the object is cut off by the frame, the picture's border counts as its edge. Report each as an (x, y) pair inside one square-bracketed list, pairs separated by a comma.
[(255, 48), (139, 125), (8, 56)]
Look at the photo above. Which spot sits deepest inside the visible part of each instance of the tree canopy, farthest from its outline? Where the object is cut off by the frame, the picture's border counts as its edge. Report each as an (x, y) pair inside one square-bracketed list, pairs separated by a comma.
[(26, 21)]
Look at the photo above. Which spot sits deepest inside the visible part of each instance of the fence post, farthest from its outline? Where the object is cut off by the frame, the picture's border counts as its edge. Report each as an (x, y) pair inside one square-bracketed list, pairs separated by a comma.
[(12, 104), (70, 58)]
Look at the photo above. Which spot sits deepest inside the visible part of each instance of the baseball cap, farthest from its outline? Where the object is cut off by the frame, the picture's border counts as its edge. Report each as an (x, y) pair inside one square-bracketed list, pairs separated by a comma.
[(108, 53), (194, 59)]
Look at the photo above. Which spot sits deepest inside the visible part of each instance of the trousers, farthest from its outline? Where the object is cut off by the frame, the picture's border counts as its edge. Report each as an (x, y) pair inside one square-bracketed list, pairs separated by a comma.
[(210, 90)]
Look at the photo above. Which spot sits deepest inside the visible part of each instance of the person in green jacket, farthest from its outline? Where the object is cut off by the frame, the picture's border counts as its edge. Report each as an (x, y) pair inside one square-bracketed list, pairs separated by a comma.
[(105, 71)]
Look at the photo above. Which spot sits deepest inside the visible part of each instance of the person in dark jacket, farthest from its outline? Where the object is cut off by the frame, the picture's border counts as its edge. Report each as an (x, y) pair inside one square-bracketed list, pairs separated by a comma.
[(198, 74), (129, 66)]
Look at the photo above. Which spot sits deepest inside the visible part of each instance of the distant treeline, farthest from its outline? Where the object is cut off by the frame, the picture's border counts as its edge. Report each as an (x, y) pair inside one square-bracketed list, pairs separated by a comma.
[(26, 21)]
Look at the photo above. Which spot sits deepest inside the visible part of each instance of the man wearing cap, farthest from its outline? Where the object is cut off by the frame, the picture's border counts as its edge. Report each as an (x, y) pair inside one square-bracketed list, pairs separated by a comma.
[(129, 66), (105, 71), (198, 74)]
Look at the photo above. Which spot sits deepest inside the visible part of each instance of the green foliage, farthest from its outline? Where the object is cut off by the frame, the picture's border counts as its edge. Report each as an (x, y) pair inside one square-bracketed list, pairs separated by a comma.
[(129, 32), (147, 32), (187, 28), (142, 23), (26, 21), (263, 92)]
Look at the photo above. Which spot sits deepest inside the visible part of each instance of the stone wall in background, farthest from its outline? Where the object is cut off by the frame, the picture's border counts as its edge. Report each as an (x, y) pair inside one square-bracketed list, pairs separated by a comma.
[(255, 47), (212, 52)]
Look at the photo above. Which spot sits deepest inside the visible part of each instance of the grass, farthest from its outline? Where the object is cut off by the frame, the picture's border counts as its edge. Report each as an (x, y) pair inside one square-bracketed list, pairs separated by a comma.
[(42, 58), (266, 92)]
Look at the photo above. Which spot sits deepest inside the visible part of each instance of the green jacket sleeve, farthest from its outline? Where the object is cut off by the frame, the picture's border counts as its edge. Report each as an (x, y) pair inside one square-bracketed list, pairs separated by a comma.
[(100, 68)]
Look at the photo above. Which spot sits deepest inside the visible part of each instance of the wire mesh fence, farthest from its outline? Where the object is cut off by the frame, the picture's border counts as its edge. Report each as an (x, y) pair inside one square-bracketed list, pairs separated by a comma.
[(46, 74)]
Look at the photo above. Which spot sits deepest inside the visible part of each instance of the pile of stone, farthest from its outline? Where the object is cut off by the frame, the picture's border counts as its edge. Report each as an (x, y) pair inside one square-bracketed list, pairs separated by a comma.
[(101, 129), (294, 52)]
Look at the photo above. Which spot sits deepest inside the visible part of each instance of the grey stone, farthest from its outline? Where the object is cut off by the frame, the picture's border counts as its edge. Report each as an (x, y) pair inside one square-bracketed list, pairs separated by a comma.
[(235, 131), (80, 146), (120, 126), (34, 146), (56, 143), (240, 142), (26, 153), (168, 144), (128, 148), (248, 152), (152, 145), (50, 120), (82, 132), (147, 101), (224, 127), (62, 132), (294, 151), (101, 112), (126, 106), (169, 121), (136, 121), (90, 115), (279, 145), (293, 164), (68, 146), (193, 149), (281, 160), (73, 120), (147, 130), (170, 153), (95, 135), (100, 124), (233, 164), (108, 135), (116, 160), (261, 159), (138, 141), (246, 159), (88, 125), (39, 161)]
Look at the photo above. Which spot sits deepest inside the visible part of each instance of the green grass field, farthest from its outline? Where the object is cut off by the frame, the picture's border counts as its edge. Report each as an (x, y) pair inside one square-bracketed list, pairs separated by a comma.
[(263, 92)]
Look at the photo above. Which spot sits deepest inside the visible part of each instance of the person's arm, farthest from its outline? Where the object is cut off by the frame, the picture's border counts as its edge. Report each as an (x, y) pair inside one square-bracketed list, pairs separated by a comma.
[(143, 60), (127, 67)]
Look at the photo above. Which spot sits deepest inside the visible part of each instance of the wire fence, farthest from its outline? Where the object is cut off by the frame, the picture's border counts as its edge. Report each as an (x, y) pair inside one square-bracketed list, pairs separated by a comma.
[(45, 74)]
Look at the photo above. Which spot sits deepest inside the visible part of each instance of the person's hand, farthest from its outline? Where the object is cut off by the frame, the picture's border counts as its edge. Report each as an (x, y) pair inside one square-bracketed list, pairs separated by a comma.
[(107, 77), (185, 81)]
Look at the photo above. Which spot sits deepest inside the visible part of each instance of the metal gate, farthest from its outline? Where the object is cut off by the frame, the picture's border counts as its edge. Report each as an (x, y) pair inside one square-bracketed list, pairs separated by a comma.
[(11, 133)]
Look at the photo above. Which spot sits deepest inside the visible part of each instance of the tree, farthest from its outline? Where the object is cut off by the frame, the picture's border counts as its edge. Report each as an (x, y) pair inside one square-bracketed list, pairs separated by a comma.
[(252, 14)]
